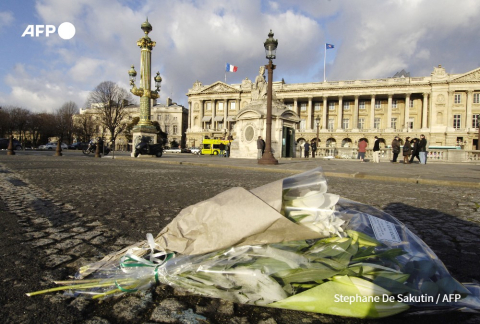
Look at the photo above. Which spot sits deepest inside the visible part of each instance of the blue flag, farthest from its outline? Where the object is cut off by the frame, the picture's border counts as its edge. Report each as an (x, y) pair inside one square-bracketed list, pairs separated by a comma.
[(328, 46)]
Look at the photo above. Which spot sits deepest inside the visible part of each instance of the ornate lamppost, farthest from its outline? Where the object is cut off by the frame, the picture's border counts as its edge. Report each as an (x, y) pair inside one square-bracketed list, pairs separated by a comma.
[(270, 51), (145, 126)]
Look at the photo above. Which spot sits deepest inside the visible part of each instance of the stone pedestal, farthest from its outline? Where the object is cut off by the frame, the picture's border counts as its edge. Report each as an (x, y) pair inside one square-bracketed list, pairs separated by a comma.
[(139, 131)]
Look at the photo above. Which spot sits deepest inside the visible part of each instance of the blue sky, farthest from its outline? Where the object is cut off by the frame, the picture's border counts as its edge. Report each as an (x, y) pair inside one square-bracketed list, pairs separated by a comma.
[(372, 38)]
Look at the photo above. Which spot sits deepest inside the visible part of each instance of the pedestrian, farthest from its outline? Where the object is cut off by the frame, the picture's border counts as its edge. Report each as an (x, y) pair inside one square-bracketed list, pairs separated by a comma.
[(314, 148), (362, 149), (222, 149), (395, 148), (306, 147), (422, 149), (228, 149), (407, 150), (414, 150), (376, 150), (260, 147)]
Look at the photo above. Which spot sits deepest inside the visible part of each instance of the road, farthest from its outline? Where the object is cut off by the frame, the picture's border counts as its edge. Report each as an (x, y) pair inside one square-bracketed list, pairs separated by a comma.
[(59, 213)]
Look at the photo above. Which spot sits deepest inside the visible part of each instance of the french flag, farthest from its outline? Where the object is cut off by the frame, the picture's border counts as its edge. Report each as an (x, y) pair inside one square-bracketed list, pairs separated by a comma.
[(230, 68)]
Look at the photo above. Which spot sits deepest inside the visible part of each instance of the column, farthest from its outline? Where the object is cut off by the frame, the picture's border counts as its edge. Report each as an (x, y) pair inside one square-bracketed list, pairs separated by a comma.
[(309, 114), (225, 114), (450, 101), (214, 123), (468, 123), (407, 111), (355, 114), (340, 112), (372, 112), (202, 106), (389, 111), (424, 110), (324, 113), (295, 106), (190, 115)]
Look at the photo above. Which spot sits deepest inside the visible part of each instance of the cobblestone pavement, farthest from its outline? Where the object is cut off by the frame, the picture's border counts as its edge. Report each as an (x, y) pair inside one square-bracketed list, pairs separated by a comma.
[(60, 213)]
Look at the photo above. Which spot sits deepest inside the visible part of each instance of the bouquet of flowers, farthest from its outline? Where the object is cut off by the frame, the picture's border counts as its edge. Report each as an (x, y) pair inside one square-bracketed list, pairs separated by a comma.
[(291, 245)]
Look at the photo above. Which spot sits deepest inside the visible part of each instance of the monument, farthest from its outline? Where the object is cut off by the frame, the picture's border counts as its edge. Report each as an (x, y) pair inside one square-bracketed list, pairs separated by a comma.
[(251, 123)]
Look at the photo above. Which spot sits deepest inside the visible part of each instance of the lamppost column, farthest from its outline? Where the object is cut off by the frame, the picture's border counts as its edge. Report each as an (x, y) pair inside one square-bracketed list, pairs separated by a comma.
[(268, 157)]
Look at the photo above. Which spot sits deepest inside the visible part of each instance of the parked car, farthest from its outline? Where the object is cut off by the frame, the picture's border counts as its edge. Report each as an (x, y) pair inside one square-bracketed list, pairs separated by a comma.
[(195, 150), (186, 150), (78, 146), (53, 146), (4, 144), (172, 150)]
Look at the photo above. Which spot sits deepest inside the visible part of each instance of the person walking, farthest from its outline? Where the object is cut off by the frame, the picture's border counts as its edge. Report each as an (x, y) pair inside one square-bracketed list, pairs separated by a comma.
[(395, 148), (222, 149), (314, 148), (376, 150), (362, 149), (422, 149), (407, 150), (260, 147), (306, 147), (414, 150)]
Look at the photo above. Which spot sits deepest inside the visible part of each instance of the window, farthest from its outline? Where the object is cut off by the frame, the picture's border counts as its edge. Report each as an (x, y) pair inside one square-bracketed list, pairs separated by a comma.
[(209, 106), (346, 105), (458, 98), (476, 98), (331, 122), (175, 129), (361, 105), (475, 121), (303, 123), (331, 106), (376, 123), (167, 117), (345, 123), (394, 103), (220, 125), (378, 104), (303, 106), (393, 123), (457, 119), (167, 128), (317, 106), (232, 105), (411, 103), (361, 123), (220, 106), (175, 118), (159, 117), (410, 123), (290, 106)]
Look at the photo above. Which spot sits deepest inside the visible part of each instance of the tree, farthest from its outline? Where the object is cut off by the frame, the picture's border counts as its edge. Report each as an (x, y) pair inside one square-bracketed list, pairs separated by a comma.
[(64, 120), (110, 101), (85, 127)]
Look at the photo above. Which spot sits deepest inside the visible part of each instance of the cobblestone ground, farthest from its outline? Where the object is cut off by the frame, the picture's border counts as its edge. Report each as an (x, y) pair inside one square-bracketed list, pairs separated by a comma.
[(60, 213)]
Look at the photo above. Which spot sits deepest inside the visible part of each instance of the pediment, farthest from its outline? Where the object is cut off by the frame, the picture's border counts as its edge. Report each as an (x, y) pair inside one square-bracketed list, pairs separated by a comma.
[(219, 87), (249, 114), (469, 76)]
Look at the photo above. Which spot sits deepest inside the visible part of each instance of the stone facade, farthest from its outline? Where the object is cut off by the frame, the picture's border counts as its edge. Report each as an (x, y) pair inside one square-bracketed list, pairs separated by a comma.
[(445, 107)]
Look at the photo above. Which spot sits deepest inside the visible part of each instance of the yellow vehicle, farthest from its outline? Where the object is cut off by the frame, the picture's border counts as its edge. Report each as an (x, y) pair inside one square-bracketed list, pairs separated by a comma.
[(212, 146)]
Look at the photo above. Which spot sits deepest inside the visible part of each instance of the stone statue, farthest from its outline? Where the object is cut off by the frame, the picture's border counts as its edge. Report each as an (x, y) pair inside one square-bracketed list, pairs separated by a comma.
[(260, 89)]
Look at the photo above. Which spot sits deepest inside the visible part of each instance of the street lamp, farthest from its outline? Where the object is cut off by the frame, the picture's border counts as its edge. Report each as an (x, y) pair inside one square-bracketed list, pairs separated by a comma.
[(144, 90), (270, 51)]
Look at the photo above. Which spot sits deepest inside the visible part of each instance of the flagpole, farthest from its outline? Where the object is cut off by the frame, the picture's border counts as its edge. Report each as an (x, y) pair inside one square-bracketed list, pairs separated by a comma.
[(324, 61), (225, 72)]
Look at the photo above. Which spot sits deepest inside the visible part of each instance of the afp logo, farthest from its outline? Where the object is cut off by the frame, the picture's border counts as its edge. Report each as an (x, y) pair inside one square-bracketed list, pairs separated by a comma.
[(66, 30)]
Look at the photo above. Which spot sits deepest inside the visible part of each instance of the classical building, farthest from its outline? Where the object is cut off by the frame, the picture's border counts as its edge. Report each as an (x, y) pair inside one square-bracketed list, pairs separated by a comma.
[(172, 118), (445, 107)]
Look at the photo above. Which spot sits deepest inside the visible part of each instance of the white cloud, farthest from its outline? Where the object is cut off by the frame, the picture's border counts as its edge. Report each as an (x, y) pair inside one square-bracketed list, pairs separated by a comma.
[(6, 18)]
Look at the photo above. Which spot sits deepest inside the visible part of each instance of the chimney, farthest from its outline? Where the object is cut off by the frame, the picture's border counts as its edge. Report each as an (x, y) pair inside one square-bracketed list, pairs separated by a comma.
[(169, 102)]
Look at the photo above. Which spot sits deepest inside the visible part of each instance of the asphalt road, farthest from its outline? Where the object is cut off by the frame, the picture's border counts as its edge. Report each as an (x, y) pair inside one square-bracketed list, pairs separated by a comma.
[(59, 213)]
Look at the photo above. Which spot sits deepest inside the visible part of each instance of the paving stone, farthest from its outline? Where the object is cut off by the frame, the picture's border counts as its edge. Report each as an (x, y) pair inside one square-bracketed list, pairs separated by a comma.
[(129, 309), (67, 244), (60, 235), (88, 235), (41, 242), (53, 261)]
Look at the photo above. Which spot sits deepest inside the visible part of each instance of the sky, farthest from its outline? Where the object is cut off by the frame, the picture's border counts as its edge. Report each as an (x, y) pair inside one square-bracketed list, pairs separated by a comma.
[(196, 38)]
